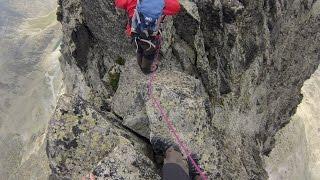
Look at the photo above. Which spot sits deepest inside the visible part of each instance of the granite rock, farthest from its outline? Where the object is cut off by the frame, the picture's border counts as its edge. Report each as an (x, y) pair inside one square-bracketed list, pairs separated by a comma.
[(230, 77)]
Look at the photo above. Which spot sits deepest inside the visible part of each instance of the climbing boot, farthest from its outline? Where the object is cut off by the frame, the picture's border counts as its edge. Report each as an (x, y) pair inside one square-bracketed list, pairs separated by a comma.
[(161, 145)]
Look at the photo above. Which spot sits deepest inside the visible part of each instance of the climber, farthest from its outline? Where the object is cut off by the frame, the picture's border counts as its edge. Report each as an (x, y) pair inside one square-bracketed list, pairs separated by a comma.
[(144, 27)]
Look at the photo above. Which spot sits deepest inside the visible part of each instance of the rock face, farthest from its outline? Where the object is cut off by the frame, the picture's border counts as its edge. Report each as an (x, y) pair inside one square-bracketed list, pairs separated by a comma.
[(79, 137), (230, 78), (185, 102)]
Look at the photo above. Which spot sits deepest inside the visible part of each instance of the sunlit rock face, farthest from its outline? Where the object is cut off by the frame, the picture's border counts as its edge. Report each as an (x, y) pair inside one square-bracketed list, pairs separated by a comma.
[(245, 63), (30, 81), (296, 154), (309, 113)]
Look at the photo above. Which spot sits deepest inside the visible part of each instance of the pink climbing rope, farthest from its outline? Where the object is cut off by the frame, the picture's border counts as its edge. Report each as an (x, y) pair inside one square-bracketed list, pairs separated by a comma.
[(171, 127)]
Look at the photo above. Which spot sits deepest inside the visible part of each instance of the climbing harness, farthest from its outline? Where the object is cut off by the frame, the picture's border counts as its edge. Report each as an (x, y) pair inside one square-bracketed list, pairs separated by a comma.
[(137, 46), (148, 42), (151, 45)]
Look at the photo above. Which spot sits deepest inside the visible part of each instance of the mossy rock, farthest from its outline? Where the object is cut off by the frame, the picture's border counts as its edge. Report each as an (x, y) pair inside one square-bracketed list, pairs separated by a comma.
[(78, 138), (114, 80), (121, 61)]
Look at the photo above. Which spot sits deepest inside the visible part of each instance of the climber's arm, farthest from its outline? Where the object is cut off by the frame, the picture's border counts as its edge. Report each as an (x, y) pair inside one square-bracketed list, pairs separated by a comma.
[(172, 7), (128, 5), (121, 4)]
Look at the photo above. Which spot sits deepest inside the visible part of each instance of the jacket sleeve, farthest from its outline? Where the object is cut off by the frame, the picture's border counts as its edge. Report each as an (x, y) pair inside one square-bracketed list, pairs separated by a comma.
[(172, 7), (128, 5), (121, 4)]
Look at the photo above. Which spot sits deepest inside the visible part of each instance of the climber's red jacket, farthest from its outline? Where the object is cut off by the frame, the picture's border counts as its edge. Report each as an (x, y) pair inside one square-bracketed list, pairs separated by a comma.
[(171, 7)]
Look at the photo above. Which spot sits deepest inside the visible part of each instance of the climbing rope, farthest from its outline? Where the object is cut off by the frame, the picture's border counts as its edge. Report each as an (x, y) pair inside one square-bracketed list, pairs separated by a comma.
[(172, 129)]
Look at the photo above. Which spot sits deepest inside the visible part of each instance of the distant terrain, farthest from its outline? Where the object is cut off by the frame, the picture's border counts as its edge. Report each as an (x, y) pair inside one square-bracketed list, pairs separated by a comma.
[(30, 80), (297, 152)]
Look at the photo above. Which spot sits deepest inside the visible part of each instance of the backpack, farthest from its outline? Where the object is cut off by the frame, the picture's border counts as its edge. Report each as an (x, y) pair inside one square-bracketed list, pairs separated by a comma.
[(146, 20)]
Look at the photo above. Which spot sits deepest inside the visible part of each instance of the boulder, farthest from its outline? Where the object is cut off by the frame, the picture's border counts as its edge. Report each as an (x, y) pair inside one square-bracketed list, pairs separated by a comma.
[(129, 99), (79, 136), (181, 99)]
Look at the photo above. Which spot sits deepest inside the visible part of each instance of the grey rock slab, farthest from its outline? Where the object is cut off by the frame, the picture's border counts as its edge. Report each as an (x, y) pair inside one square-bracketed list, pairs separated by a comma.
[(134, 166), (79, 137), (183, 100), (129, 99)]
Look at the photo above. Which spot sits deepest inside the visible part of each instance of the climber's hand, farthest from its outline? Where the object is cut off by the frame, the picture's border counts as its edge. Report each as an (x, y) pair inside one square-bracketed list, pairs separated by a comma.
[(89, 176)]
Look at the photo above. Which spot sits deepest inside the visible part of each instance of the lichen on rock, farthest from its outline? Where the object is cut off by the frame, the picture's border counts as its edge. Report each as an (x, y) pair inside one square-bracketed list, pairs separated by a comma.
[(80, 136)]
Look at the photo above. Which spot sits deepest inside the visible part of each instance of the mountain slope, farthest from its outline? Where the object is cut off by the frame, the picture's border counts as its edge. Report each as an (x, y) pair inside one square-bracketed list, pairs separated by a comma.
[(30, 80)]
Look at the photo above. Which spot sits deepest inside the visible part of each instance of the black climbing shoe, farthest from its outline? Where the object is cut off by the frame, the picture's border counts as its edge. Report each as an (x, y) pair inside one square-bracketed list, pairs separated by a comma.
[(147, 71), (160, 146), (193, 173)]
